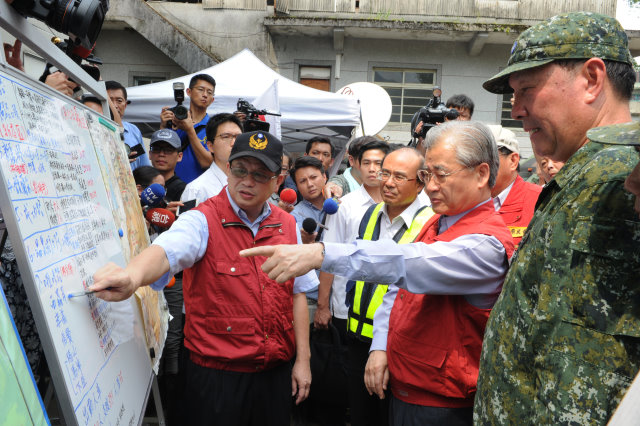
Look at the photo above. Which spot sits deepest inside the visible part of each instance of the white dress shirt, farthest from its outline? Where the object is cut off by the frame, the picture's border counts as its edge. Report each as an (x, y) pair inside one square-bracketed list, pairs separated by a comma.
[(207, 185), (498, 201), (388, 229), (342, 227)]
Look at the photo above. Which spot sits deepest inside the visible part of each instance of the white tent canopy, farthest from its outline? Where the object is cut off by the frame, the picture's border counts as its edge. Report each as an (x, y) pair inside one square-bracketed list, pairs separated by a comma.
[(306, 112)]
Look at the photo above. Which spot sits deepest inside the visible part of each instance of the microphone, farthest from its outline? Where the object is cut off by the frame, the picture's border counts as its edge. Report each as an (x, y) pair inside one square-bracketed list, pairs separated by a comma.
[(160, 217), (330, 206), (153, 195), (288, 195), (309, 225)]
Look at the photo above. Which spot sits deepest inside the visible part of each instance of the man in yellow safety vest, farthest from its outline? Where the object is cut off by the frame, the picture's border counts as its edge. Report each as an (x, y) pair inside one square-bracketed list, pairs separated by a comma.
[(400, 217)]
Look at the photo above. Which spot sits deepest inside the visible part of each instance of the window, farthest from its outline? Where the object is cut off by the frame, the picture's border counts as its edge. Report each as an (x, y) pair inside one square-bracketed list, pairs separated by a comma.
[(409, 90), (139, 80), (505, 117), (316, 77)]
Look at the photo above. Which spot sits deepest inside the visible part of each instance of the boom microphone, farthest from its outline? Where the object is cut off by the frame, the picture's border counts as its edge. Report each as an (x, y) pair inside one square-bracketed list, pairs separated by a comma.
[(288, 195), (153, 195), (162, 218)]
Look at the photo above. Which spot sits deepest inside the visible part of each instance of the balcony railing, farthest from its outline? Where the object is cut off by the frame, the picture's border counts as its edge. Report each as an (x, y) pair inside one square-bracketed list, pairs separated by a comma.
[(508, 9)]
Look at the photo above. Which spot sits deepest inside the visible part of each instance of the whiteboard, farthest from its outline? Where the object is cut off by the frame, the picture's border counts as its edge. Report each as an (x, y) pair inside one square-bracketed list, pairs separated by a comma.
[(60, 217)]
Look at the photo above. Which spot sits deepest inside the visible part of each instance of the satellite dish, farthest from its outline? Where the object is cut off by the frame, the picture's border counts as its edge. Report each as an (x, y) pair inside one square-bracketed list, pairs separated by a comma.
[(375, 106)]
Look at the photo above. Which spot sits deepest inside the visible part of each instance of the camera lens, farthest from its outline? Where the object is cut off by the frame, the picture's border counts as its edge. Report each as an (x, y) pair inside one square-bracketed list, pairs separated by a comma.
[(80, 18), (180, 112)]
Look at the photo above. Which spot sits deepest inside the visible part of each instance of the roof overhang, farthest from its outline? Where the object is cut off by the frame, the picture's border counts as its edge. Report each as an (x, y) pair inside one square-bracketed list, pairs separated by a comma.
[(464, 30)]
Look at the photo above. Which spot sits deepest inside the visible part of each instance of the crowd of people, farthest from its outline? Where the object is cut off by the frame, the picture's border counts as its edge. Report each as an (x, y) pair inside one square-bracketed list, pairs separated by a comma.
[(458, 292)]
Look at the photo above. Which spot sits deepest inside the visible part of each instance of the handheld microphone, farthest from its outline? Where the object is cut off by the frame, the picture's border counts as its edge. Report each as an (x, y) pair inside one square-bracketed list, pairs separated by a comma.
[(153, 195), (288, 195), (330, 206), (309, 225), (160, 217)]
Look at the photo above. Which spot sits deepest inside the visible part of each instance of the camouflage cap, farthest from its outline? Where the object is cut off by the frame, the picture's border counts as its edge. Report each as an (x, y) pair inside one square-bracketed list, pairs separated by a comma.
[(577, 35), (617, 134)]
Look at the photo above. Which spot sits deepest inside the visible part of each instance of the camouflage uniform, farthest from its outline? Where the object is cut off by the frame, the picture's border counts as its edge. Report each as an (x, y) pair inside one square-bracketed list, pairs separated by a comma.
[(617, 134), (562, 343)]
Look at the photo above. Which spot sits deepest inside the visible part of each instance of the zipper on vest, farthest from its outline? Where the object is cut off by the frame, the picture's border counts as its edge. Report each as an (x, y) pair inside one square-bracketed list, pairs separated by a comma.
[(227, 224), (273, 225)]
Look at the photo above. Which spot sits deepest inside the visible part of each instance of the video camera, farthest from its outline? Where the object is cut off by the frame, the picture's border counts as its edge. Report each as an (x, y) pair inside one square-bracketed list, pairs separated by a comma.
[(433, 113), (80, 19), (180, 111), (253, 122), (89, 66)]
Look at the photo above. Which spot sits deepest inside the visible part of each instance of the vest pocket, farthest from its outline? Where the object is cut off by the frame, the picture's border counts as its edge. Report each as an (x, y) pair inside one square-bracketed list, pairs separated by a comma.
[(244, 326), (443, 370), (234, 339), (234, 286)]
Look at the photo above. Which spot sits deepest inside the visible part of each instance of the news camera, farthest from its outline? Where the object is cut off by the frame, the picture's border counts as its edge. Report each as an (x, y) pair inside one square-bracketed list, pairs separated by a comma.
[(80, 19), (431, 114), (89, 63), (180, 111), (253, 122)]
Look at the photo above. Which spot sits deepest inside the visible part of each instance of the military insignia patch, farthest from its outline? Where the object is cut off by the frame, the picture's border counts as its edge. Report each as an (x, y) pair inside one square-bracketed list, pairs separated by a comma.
[(258, 141)]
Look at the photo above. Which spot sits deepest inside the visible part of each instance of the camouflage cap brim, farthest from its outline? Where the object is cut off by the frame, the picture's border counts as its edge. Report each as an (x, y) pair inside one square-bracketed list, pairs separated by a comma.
[(575, 35), (499, 83), (617, 134)]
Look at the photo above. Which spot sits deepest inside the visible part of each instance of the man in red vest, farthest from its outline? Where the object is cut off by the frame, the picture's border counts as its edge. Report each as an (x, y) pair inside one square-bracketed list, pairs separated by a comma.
[(513, 198), (242, 329), (448, 281)]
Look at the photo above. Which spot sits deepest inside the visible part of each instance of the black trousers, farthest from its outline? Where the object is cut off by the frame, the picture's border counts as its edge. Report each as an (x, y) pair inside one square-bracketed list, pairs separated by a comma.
[(228, 398), (405, 414), (321, 413), (366, 410)]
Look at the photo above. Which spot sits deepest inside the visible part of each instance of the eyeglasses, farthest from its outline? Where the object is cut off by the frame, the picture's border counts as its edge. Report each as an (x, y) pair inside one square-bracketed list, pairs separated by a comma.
[(201, 90), (164, 149), (439, 178), (241, 173), (383, 176), (284, 170), (228, 137)]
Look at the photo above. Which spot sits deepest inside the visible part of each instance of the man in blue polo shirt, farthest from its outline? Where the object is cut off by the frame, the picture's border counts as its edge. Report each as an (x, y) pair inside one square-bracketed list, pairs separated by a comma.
[(192, 130), (132, 136), (308, 174)]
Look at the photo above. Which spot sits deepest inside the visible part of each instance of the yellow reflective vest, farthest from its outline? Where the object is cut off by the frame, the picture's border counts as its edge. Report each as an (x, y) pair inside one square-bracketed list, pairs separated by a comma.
[(367, 297)]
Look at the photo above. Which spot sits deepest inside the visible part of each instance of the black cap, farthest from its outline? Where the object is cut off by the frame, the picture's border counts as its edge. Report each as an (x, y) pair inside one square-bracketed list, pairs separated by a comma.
[(261, 145)]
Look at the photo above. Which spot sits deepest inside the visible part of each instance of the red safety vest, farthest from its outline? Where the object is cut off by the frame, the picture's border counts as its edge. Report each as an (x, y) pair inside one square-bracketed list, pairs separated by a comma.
[(519, 207), (236, 317), (434, 342)]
